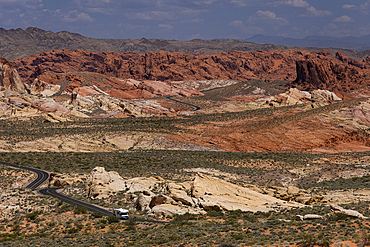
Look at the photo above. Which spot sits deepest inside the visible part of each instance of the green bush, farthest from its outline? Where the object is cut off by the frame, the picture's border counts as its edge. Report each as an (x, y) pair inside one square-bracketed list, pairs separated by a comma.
[(96, 215), (32, 216), (113, 219), (131, 224), (73, 230), (237, 236), (215, 214), (80, 210)]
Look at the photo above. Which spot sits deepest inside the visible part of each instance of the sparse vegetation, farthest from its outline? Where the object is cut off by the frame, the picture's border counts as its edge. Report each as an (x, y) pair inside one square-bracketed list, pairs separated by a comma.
[(66, 224)]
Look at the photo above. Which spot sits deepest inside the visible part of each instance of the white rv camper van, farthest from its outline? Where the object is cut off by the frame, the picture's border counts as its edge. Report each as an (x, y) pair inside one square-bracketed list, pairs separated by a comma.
[(121, 213)]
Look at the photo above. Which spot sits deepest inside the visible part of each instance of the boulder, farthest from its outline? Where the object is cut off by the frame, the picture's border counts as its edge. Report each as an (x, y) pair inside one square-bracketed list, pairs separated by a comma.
[(43, 88), (18, 102), (143, 184), (52, 117), (4, 106), (323, 96), (308, 217), (348, 212), (60, 180), (101, 183), (314, 199), (292, 190), (50, 106), (159, 200), (142, 202), (293, 193), (185, 199)]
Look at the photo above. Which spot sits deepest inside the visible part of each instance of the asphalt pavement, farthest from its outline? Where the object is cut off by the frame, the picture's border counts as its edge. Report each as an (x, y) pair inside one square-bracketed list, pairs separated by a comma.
[(196, 108), (43, 176), (53, 192)]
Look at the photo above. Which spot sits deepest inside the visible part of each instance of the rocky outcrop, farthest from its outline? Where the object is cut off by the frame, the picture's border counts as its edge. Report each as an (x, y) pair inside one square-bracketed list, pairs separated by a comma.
[(60, 180), (202, 194), (9, 77), (165, 210), (43, 88), (348, 212), (50, 106), (216, 194), (169, 66), (101, 183), (296, 97), (309, 71), (330, 75), (89, 83)]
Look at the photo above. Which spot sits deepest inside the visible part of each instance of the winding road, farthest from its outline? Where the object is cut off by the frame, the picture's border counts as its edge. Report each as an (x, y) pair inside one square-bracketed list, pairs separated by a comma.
[(196, 108), (54, 193), (43, 176)]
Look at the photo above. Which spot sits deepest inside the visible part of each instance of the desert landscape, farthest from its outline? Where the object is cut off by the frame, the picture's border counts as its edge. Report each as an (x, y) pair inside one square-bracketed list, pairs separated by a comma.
[(230, 146)]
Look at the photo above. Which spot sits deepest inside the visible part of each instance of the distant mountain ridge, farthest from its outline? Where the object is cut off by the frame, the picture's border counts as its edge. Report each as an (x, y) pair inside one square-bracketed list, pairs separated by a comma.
[(348, 42), (18, 43)]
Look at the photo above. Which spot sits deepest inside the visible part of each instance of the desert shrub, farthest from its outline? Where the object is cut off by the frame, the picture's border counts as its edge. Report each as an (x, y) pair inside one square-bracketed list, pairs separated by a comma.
[(310, 240), (215, 214), (65, 207), (73, 230), (32, 216), (96, 215), (113, 219), (131, 224), (183, 219), (80, 210), (237, 236)]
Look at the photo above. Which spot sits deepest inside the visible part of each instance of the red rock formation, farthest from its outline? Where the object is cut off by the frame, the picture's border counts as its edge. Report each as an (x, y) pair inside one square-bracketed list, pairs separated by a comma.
[(167, 66), (85, 83), (9, 77), (314, 70), (341, 76)]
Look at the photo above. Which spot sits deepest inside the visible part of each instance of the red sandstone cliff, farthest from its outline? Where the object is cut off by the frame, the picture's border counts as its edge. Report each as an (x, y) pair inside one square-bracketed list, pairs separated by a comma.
[(330, 75), (307, 70), (167, 66), (9, 77)]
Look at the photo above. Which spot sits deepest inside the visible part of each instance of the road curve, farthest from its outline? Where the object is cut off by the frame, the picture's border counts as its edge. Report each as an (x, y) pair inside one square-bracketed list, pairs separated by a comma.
[(42, 176), (196, 108)]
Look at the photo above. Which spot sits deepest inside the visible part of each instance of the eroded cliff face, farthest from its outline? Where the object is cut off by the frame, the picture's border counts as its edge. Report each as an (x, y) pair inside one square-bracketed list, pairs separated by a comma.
[(305, 70), (168, 66), (330, 75), (9, 77)]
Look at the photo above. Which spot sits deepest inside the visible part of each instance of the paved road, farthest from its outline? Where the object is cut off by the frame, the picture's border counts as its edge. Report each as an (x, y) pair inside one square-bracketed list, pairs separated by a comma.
[(53, 192), (43, 176), (196, 108)]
